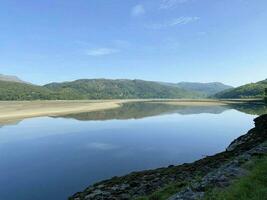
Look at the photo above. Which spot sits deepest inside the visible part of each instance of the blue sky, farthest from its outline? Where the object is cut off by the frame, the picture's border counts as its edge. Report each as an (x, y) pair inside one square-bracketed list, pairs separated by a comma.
[(165, 40)]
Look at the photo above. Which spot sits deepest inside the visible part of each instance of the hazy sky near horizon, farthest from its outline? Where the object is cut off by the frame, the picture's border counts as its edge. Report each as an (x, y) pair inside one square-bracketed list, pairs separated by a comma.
[(165, 40)]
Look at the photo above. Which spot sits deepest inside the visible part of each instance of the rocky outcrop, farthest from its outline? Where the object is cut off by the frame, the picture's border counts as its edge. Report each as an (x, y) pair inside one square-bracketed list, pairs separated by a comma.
[(221, 177), (253, 137), (217, 170)]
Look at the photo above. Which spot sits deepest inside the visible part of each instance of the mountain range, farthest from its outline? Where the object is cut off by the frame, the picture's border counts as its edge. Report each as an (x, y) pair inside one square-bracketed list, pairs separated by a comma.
[(206, 89), (13, 88)]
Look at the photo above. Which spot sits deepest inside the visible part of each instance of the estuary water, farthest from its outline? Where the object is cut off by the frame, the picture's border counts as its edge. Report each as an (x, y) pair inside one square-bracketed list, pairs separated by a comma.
[(52, 158)]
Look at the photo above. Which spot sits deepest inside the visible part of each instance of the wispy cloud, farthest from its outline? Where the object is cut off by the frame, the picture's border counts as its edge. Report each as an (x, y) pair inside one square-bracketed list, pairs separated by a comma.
[(174, 22), (167, 4), (183, 20), (138, 10), (101, 51), (101, 146)]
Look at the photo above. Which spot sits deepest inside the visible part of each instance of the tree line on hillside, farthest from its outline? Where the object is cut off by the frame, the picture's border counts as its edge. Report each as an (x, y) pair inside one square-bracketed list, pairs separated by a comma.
[(123, 89), (251, 90), (265, 98), (92, 89)]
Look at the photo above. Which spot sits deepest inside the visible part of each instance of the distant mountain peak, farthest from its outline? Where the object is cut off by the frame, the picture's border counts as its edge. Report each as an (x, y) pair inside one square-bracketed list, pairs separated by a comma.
[(11, 78), (206, 89)]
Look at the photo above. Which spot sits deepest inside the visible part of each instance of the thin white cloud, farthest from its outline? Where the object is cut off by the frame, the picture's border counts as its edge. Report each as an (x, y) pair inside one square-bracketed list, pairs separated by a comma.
[(183, 20), (138, 10), (167, 4), (174, 22), (101, 146), (101, 51)]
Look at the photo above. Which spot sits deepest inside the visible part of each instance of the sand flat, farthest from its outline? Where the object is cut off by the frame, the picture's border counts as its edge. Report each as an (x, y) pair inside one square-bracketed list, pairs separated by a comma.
[(27, 109)]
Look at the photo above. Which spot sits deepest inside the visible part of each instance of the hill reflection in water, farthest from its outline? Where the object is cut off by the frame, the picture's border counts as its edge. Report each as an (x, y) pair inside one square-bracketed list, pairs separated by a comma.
[(144, 109)]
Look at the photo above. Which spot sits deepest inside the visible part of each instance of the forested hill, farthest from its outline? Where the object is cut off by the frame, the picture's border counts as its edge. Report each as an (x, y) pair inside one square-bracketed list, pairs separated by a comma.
[(91, 89), (121, 89), (207, 89), (21, 91), (251, 90)]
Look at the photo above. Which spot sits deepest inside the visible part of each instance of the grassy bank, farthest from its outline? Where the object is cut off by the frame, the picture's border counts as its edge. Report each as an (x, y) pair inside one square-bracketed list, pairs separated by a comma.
[(165, 192), (251, 187)]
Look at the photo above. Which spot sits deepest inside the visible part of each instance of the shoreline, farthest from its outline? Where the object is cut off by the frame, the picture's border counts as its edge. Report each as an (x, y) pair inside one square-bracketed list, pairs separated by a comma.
[(19, 110), (29, 109), (189, 180)]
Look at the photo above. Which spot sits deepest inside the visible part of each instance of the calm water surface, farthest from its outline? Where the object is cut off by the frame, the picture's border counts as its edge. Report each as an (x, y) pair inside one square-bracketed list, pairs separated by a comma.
[(52, 158)]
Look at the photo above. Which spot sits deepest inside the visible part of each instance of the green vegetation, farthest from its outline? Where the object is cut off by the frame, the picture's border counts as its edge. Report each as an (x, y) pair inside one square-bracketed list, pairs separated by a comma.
[(22, 91), (265, 97), (120, 89), (252, 90), (15, 89), (207, 89), (165, 192), (251, 187), (91, 89)]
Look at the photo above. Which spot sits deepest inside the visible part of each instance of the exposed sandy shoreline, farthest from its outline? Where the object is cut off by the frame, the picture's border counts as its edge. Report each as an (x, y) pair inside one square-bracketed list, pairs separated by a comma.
[(10, 110)]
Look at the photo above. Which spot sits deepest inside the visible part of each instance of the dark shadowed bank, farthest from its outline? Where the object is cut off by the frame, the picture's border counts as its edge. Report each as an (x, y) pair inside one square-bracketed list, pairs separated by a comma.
[(186, 181)]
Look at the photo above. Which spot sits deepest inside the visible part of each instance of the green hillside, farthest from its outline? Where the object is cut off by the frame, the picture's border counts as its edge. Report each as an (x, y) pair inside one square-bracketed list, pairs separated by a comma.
[(124, 89), (121, 89), (265, 96), (22, 91), (91, 89), (207, 89), (251, 90)]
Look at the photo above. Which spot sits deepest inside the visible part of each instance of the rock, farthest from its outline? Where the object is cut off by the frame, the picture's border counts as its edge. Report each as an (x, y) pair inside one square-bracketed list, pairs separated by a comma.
[(124, 186), (134, 184), (125, 196), (93, 194)]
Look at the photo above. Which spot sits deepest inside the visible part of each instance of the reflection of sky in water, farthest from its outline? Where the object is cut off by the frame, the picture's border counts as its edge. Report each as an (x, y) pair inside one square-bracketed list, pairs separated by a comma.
[(46, 157)]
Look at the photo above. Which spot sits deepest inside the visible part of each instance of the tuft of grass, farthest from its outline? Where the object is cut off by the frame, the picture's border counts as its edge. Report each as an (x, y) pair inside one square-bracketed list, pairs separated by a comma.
[(250, 187), (165, 192)]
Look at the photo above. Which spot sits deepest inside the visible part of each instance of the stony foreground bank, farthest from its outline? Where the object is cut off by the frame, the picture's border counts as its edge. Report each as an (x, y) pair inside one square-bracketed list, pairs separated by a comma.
[(193, 179)]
